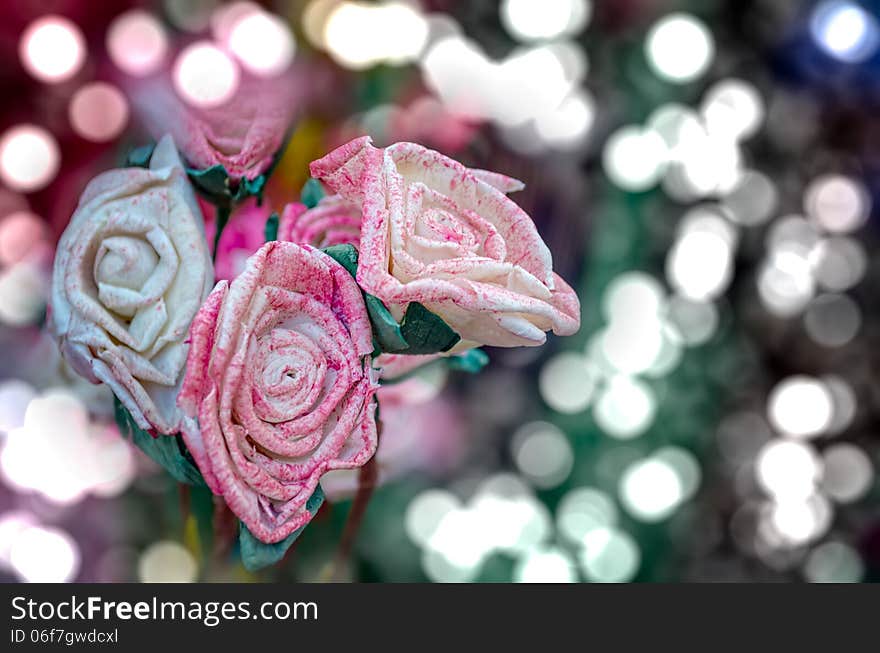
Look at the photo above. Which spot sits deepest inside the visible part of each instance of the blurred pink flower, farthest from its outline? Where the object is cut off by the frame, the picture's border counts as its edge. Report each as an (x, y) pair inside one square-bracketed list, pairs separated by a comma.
[(243, 235), (243, 134)]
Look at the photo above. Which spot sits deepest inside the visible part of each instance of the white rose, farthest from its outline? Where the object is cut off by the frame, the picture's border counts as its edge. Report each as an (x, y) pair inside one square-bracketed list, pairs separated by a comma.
[(131, 270)]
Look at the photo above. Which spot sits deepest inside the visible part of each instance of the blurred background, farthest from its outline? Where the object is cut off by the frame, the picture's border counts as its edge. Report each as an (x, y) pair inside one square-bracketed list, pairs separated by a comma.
[(705, 174)]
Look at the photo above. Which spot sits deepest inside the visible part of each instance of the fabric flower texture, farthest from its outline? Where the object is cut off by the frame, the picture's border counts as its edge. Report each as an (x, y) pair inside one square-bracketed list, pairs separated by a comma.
[(131, 271), (448, 237), (334, 221), (280, 382)]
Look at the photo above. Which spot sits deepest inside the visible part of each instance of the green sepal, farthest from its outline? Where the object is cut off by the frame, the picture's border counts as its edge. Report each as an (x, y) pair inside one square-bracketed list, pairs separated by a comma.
[(419, 332), (311, 193), (168, 451), (270, 231), (470, 361), (256, 555), (345, 255), (140, 157), (425, 332), (212, 182)]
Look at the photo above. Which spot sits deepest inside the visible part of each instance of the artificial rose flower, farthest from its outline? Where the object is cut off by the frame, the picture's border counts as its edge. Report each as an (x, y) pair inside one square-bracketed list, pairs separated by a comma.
[(447, 236), (243, 134), (334, 221), (279, 378), (131, 270), (243, 235)]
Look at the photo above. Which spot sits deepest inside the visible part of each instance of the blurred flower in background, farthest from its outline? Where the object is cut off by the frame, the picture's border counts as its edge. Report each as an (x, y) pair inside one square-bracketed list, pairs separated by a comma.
[(707, 170)]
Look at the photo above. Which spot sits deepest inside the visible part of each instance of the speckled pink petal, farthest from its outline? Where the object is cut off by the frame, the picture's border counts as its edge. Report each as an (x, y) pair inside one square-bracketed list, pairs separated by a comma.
[(439, 233), (279, 381)]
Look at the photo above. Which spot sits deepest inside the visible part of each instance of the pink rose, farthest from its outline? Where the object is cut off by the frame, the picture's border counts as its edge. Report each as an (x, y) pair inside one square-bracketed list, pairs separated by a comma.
[(447, 236), (243, 134), (131, 270), (334, 221), (279, 378), (243, 235)]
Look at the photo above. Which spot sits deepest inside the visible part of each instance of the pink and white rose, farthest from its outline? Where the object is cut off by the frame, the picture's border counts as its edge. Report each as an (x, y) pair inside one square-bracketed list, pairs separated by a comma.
[(447, 236), (279, 379), (334, 221), (131, 270)]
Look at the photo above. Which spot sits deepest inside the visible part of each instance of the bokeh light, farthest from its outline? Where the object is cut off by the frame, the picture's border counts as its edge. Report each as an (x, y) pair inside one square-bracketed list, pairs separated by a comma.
[(651, 489), (845, 31), (20, 234), (398, 33), (44, 555), (29, 157), (52, 49), (679, 47), (832, 320), (582, 510), (205, 75), (167, 562), (848, 472), (567, 383), (834, 562), (98, 112), (634, 158), (800, 406), (733, 108), (543, 454), (610, 556), (551, 565), (137, 42), (529, 21), (836, 203), (625, 407), (788, 470), (262, 43)]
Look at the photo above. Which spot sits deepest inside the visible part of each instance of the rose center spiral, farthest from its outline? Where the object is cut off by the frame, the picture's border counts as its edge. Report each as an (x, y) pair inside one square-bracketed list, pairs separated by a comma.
[(125, 262), (290, 375), (444, 227)]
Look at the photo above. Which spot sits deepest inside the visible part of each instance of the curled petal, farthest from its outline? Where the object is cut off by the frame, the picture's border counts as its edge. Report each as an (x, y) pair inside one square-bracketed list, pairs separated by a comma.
[(436, 232)]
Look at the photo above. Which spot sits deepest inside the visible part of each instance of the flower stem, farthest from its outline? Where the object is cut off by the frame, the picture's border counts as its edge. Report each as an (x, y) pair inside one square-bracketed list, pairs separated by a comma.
[(366, 484), (222, 217)]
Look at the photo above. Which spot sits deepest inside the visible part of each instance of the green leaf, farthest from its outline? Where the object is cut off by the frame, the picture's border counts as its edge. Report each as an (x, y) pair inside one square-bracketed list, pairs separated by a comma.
[(270, 231), (470, 361), (311, 193), (256, 554), (345, 255), (425, 332), (167, 450), (420, 331), (251, 188), (212, 182), (139, 157)]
